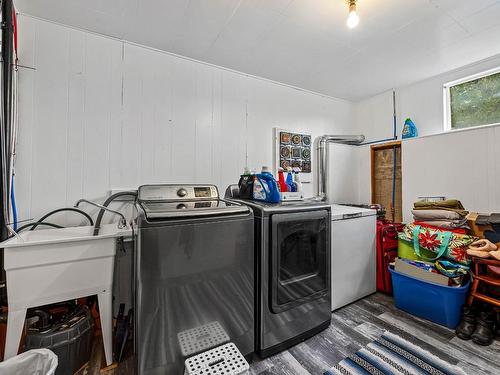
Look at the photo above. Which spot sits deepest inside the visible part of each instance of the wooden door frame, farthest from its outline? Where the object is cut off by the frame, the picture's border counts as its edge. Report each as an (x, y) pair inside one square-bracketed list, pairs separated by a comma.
[(373, 149)]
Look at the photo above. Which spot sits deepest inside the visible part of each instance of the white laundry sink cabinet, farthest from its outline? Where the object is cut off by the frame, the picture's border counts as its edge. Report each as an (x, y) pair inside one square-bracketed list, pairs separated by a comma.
[(55, 265)]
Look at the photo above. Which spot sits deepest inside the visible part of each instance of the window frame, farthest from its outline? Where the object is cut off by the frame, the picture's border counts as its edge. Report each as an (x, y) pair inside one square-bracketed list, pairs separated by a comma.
[(447, 104)]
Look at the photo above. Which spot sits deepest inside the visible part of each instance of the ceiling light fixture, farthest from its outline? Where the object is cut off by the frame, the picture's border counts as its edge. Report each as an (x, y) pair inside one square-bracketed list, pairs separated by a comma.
[(353, 18)]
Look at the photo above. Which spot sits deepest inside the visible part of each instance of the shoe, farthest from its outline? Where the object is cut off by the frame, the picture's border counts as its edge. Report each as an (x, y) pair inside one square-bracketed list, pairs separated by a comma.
[(478, 253), (467, 324), (483, 245), (485, 329), (495, 254)]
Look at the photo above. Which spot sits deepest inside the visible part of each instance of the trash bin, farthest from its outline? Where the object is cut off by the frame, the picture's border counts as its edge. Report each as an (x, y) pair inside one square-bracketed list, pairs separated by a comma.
[(70, 340), (35, 362)]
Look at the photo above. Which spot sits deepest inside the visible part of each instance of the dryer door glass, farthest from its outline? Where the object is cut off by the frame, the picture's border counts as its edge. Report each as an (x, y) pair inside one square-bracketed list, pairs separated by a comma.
[(300, 258)]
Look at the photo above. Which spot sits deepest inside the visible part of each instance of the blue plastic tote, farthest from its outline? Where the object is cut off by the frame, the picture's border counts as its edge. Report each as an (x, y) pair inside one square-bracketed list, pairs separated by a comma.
[(437, 303)]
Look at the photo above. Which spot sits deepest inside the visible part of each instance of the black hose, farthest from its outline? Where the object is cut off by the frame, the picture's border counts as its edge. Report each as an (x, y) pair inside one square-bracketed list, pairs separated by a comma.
[(91, 222), (39, 223), (6, 103), (106, 203)]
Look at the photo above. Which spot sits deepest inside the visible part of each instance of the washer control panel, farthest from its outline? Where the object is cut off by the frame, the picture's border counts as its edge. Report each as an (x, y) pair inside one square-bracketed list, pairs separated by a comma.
[(167, 192)]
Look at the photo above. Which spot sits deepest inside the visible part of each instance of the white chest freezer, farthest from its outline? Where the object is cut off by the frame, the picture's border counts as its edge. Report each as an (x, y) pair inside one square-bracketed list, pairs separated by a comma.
[(354, 262)]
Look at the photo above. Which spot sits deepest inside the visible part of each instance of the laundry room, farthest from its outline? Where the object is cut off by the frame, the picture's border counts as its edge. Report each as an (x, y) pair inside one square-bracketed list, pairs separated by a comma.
[(254, 187)]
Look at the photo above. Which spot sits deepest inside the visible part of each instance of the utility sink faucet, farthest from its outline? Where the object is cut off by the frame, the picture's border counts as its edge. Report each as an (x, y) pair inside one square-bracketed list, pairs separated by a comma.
[(121, 224)]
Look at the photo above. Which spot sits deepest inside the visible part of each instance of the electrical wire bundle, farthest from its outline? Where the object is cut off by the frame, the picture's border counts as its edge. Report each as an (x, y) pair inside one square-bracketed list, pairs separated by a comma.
[(8, 118)]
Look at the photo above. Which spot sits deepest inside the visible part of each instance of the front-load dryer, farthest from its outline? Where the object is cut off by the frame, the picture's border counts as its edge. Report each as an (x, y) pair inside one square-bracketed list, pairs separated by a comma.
[(293, 287)]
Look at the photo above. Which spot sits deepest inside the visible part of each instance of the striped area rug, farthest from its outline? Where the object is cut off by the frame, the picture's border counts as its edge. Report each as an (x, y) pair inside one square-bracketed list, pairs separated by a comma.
[(390, 354)]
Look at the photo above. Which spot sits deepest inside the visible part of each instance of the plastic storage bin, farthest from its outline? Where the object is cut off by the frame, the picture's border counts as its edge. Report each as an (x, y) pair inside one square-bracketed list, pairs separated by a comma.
[(71, 341), (437, 303)]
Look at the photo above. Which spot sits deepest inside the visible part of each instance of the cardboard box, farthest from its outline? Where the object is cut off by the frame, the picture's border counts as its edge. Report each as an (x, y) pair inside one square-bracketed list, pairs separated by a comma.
[(418, 273)]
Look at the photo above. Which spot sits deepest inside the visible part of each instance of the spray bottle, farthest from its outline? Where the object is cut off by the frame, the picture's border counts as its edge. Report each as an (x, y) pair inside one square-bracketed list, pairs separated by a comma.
[(289, 180), (296, 180), (281, 181)]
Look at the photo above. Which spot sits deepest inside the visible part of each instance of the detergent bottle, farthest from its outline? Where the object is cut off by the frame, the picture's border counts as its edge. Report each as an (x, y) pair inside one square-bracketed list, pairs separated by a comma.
[(246, 184), (258, 192), (409, 129), (296, 180), (281, 181), (265, 187), (289, 180)]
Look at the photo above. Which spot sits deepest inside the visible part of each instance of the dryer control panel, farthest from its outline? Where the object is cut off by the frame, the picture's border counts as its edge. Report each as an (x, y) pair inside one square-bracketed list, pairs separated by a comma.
[(169, 193)]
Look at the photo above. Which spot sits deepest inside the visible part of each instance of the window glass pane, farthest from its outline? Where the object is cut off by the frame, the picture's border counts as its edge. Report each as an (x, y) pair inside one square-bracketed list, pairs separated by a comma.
[(298, 255), (475, 102), (299, 267)]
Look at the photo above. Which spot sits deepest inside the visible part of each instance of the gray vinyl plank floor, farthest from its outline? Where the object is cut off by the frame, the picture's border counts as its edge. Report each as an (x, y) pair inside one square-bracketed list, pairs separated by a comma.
[(353, 327)]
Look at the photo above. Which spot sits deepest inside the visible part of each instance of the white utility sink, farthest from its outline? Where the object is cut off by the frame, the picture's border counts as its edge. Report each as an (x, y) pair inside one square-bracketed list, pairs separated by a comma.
[(58, 235), (55, 265)]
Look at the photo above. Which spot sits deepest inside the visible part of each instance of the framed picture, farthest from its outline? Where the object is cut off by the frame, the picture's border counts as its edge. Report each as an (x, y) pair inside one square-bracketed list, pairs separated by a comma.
[(293, 149)]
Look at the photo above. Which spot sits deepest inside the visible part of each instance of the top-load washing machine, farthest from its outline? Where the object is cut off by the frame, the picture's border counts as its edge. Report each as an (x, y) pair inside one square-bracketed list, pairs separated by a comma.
[(194, 276), (292, 245)]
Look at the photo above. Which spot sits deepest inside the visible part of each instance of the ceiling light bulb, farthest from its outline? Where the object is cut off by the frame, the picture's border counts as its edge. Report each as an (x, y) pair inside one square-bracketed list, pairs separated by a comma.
[(353, 19)]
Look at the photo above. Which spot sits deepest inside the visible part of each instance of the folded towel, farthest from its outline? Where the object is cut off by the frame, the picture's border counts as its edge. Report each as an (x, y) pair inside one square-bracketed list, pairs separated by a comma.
[(446, 224), (422, 215), (450, 205), (425, 224)]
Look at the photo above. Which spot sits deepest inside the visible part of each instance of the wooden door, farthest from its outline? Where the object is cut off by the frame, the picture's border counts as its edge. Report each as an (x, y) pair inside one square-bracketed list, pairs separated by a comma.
[(386, 178)]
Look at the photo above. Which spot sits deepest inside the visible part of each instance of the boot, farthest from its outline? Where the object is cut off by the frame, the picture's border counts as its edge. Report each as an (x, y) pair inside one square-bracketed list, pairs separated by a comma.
[(467, 324), (485, 329)]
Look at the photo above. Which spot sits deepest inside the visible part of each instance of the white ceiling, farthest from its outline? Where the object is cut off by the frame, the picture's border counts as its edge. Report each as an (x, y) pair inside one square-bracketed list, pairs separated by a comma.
[(304, 43)]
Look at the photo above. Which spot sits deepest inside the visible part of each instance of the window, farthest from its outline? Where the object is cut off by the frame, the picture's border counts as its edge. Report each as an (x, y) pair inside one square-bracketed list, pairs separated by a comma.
[(473, 101)]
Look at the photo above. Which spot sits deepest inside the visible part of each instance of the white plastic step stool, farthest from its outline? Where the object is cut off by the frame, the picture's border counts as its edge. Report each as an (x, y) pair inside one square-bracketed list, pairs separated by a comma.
[(199, 339), (222, 360)]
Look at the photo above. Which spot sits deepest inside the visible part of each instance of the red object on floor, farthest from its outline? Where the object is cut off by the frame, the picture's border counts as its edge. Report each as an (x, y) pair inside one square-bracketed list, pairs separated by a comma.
[(387, 251)]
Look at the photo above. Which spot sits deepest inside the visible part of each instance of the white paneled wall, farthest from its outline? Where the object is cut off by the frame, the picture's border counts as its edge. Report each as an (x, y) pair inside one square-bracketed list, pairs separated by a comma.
[(462, 165), (374, 117), (344, 173), (421, 101), (98, 113)]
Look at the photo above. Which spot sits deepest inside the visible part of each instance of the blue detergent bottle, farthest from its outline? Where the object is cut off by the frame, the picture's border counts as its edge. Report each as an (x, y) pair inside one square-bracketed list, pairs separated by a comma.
[(409, 129), (289, 181), (266, 187)]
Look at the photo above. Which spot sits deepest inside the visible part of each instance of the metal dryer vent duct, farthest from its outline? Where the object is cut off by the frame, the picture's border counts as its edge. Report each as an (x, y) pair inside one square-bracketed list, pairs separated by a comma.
[(323, 157)]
